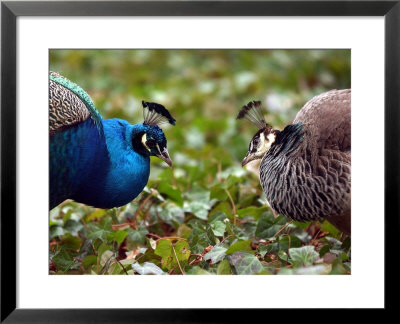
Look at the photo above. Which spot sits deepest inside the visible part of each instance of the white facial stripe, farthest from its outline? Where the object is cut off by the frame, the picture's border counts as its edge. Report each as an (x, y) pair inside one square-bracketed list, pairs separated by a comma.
[(265, 144), (144, 139), (271, 137), (158, 148), (261, 144)]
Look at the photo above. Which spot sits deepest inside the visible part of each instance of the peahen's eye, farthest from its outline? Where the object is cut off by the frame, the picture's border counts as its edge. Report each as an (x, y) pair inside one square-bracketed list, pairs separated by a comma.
[(253, 144)]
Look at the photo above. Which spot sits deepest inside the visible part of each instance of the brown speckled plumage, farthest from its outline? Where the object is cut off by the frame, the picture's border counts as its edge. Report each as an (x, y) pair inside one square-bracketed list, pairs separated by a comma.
[(306, 174), (66, 109)]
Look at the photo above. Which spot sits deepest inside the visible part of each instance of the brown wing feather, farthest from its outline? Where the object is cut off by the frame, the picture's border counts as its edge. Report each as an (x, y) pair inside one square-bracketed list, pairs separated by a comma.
[(327, 120), (65, 108)]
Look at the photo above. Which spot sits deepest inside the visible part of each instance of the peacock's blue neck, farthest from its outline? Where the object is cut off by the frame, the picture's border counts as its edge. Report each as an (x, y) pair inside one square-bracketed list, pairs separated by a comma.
[(119, 175)]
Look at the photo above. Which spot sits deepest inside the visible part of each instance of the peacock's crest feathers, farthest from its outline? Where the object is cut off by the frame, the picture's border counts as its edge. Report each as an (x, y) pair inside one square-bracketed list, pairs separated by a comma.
[(156, 114), (252, 113), (70, 104)]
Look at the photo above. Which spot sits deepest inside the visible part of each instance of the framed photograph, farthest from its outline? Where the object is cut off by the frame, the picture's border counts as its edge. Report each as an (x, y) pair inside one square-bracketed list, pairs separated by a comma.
[(258, 210)]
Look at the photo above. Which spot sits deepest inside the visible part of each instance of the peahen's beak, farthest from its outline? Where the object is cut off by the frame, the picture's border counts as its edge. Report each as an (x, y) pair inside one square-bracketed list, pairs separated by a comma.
[(165, 156), (248, 158)]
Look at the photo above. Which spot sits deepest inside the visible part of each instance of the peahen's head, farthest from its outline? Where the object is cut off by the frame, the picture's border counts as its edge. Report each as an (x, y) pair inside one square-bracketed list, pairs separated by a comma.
[(148, 139), (265, 136)]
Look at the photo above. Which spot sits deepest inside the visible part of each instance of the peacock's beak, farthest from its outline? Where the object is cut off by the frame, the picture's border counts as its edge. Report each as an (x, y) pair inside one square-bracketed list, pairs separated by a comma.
[(165, 156)]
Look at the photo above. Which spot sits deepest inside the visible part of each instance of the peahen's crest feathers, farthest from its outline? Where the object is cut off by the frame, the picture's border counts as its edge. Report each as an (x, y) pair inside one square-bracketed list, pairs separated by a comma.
[(156, 114), (252, 112)]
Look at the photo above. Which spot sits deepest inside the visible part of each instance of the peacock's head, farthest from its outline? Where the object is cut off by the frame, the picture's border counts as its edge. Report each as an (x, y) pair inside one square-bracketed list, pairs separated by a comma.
[(150, 140), (265, 136)]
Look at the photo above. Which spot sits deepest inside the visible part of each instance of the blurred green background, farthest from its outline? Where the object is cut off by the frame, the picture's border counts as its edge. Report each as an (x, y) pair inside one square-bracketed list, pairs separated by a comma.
[(204, 91)]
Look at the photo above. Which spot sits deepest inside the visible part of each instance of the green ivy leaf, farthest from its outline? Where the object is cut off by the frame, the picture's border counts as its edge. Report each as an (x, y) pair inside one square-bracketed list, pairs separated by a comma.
[(71, 242), (164, 250), (173, 193), (56, 230), (264, 249), (216, 254), (138, 236), (201, 236), (346, 243), (196, 270), (240, 245), (268, 226), (246, 263), (288, 241), (119, 236), (182, 250), (171, 213), (328, 227), (96, 214), (224, 208), (224, 268), (147, 268), (217, 192), (232, 180), (63, 260), (102, 248), (252, 211), (106, 257), (89, 260), (218, 228), (318, 269), (73, 227), (303, 256), (199, 202), (183, 231), (172, 253), (101, 231), (149, 256), (198, 209), (325, 249)]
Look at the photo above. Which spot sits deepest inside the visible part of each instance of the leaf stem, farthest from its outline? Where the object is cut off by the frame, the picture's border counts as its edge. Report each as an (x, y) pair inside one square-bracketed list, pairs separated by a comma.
[(233, 206), (283, 227), (126, 272), (180, 268), (198, 258), (144, 202), (227, 237)]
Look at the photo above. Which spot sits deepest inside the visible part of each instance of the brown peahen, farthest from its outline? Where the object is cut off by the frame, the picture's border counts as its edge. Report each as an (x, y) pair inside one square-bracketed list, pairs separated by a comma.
[(305, 169)]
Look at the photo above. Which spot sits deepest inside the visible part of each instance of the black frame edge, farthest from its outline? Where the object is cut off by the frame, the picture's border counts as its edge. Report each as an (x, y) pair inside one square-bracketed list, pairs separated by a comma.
[(392, 146), (203, 8), (8, 162)]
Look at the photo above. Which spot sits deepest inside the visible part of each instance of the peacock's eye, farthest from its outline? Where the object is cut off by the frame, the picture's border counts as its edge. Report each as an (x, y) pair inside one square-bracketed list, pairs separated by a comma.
[(151, 143)]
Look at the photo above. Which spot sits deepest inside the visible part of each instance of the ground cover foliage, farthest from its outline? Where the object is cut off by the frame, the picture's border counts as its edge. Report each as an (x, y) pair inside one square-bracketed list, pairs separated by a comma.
[(206, 215)]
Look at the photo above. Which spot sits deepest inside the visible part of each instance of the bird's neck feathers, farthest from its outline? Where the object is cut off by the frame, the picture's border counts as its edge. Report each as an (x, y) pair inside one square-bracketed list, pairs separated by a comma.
[(287, 140), (120, 135), (127, 171)]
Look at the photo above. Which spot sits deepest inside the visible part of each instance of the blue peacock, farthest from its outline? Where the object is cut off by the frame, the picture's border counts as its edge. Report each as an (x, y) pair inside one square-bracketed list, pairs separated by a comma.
[(103, 163)]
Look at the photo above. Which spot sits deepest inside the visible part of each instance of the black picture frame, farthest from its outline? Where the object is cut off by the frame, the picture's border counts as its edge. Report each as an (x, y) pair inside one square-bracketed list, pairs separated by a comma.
[(10, 10)]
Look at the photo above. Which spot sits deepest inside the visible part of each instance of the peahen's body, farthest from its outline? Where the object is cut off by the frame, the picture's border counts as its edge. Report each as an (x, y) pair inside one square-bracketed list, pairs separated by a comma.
[(102, 163), (305, 170)]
